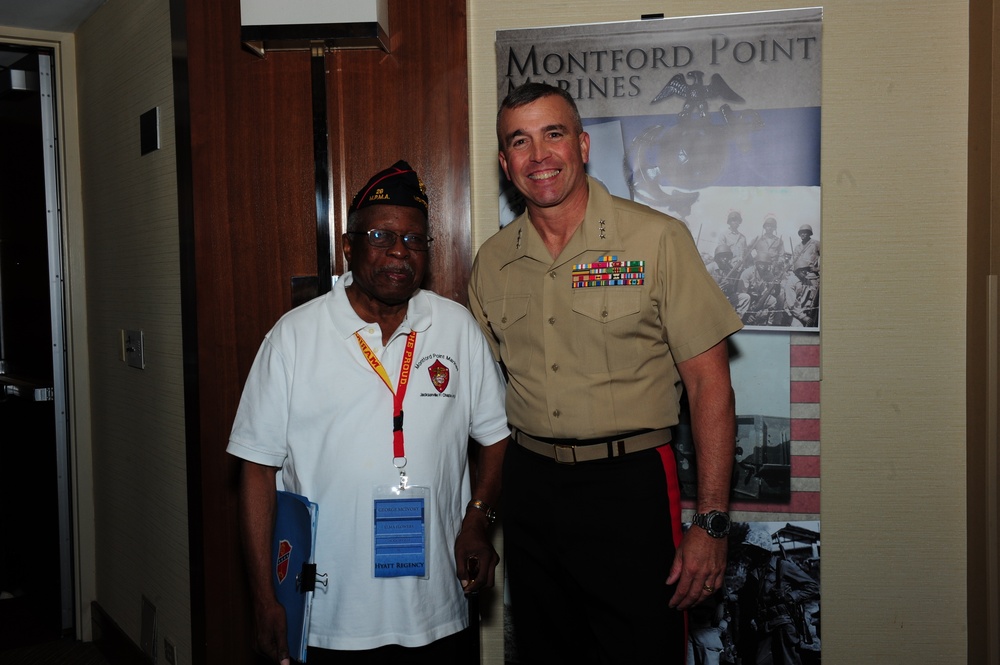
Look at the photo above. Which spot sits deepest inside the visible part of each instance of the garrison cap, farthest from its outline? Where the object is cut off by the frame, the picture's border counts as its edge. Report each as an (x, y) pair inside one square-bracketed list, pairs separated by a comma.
[(397, 185)]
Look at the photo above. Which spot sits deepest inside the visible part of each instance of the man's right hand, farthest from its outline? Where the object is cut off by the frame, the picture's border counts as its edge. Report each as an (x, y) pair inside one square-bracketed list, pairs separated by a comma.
[(271, 629), (258, 499)]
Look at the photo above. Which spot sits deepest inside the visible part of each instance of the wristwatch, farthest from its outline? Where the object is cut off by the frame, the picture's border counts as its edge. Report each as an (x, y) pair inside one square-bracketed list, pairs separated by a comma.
[(491, 515), (715, 522)]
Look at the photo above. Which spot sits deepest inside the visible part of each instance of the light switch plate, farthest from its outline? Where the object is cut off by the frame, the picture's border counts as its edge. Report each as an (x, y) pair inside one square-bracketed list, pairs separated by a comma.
[(132, 348), (149, 131)]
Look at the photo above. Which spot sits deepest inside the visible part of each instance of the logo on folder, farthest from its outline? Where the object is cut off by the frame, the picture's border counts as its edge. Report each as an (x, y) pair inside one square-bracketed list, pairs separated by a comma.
[(439, 376), (284, 554)]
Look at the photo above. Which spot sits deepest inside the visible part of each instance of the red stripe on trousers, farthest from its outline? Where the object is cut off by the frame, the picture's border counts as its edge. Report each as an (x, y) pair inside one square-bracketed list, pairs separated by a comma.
[(674, 496)]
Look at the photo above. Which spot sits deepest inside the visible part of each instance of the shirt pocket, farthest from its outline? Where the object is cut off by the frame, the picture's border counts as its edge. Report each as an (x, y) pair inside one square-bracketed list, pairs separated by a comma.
[(608, 322), (508, 318)]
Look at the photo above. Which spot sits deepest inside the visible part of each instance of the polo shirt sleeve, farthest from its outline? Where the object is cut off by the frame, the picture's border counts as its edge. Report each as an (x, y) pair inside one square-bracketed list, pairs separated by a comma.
[(489, 417), (259, 430)]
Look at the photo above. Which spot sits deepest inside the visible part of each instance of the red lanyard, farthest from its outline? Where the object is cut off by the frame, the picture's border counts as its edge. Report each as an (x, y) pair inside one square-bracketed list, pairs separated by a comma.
[(399, 393)]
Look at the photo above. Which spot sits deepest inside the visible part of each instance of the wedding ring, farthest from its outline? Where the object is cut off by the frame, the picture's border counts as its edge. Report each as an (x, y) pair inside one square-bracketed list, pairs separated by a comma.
[(707, 589)]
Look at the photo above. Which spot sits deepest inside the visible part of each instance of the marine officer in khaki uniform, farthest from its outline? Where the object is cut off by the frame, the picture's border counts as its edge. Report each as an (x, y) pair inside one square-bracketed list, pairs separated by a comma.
[(602, 313)]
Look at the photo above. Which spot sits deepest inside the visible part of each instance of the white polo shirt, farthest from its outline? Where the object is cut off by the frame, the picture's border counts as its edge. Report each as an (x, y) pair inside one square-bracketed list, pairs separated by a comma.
[(313, 406)]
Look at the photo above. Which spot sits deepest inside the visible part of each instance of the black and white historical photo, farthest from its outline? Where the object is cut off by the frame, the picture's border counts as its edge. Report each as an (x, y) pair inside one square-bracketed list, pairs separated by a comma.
[(762, 471), (768, 611)]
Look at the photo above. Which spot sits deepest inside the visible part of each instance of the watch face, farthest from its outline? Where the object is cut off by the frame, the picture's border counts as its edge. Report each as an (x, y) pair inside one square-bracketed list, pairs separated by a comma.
[(718, 523)]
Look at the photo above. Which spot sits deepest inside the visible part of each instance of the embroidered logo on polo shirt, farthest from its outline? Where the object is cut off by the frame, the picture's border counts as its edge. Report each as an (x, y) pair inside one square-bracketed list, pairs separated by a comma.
[(609, 271), (441, 369), (439, 376)]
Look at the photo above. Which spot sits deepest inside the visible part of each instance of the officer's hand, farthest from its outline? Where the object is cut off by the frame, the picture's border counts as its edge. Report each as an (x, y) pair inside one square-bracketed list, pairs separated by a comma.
[(698, 569)]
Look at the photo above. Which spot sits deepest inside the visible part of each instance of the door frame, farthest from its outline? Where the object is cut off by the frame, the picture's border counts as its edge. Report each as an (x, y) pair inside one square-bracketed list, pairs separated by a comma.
[(79, 464), (983, 334)]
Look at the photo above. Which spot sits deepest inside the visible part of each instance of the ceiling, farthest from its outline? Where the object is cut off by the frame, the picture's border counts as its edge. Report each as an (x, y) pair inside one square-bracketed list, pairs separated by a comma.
[(54, 15), (49, 15)]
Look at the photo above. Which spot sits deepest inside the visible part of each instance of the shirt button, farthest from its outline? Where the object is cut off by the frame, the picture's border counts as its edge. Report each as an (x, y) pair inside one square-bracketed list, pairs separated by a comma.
[(503, 320), (555, 367), (552, 320), (556, 413), (552, 274), (604, 314)]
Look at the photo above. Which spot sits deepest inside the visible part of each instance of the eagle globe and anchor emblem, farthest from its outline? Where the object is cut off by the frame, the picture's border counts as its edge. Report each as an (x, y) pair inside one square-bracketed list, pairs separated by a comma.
[(440, 376), (692, 153)]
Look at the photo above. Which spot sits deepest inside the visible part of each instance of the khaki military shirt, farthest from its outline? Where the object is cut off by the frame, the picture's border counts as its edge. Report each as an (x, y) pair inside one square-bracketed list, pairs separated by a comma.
[(597, 361)]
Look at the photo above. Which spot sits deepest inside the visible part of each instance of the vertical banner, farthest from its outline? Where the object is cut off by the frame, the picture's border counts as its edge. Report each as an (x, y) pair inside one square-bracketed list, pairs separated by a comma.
[(715, 120)]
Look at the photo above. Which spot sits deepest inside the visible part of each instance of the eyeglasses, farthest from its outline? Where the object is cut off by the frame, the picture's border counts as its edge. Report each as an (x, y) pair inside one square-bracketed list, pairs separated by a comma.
[(418, 242)]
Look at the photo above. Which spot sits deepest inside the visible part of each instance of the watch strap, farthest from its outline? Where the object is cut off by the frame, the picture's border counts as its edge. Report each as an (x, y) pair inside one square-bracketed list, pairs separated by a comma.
[(704, 520), (479, 504)]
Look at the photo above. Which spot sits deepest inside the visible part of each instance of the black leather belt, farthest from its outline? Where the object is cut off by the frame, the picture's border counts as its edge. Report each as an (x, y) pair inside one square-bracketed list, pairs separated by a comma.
[(564, 453)]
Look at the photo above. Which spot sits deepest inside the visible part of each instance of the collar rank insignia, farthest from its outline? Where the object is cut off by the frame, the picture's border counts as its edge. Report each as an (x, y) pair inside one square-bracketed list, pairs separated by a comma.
[(440, 375), (609, 271)]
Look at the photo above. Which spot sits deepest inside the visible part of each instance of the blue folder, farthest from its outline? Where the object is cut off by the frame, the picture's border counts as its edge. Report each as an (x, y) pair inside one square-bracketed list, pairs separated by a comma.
[(294, 549)]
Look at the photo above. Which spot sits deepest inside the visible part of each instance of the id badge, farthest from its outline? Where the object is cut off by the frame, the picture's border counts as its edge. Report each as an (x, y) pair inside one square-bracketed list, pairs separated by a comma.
[(399, 535)]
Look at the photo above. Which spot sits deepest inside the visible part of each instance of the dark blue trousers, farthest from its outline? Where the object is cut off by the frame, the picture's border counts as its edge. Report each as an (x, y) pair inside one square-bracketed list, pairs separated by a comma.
[(588, 548)]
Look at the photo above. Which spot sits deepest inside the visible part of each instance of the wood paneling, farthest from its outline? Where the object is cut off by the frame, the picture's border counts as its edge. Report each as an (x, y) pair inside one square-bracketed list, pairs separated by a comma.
[(410, 104), (249, 226)]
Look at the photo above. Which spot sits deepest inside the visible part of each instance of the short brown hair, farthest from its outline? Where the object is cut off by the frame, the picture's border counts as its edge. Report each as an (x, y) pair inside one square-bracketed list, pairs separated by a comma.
[(529, 92)]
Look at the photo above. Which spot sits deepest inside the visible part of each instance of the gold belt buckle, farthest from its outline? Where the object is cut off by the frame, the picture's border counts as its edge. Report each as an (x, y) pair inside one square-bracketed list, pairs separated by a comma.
[(564, 454)]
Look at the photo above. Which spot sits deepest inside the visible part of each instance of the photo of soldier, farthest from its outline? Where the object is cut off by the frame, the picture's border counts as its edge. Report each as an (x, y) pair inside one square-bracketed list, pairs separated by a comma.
[(772, 279), (802, 282), (760, 288), (725, 274), (769, 241), (736, 241), (767, 613)]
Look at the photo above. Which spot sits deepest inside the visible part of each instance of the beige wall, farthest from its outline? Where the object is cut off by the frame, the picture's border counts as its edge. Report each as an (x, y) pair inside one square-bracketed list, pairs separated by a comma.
[(893, 367), (133, 269)]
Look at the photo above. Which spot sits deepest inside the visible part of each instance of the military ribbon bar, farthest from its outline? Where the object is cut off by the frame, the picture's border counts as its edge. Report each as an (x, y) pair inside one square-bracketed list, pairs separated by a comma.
[(609, 271)]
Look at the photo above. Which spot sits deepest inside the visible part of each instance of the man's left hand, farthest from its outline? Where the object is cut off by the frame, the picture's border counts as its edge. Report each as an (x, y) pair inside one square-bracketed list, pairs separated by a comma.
[(475, 558), (699, 568)]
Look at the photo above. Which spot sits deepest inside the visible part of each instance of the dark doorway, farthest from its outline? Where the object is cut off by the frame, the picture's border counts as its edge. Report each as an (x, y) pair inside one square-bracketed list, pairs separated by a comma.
[(35, 566)]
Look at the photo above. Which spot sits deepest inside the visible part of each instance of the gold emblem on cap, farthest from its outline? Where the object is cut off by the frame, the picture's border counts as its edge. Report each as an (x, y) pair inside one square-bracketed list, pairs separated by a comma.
[(379, 195)]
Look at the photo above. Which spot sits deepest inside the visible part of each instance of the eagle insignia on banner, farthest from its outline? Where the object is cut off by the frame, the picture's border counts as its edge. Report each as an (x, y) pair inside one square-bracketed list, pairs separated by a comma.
[(697, 93)]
